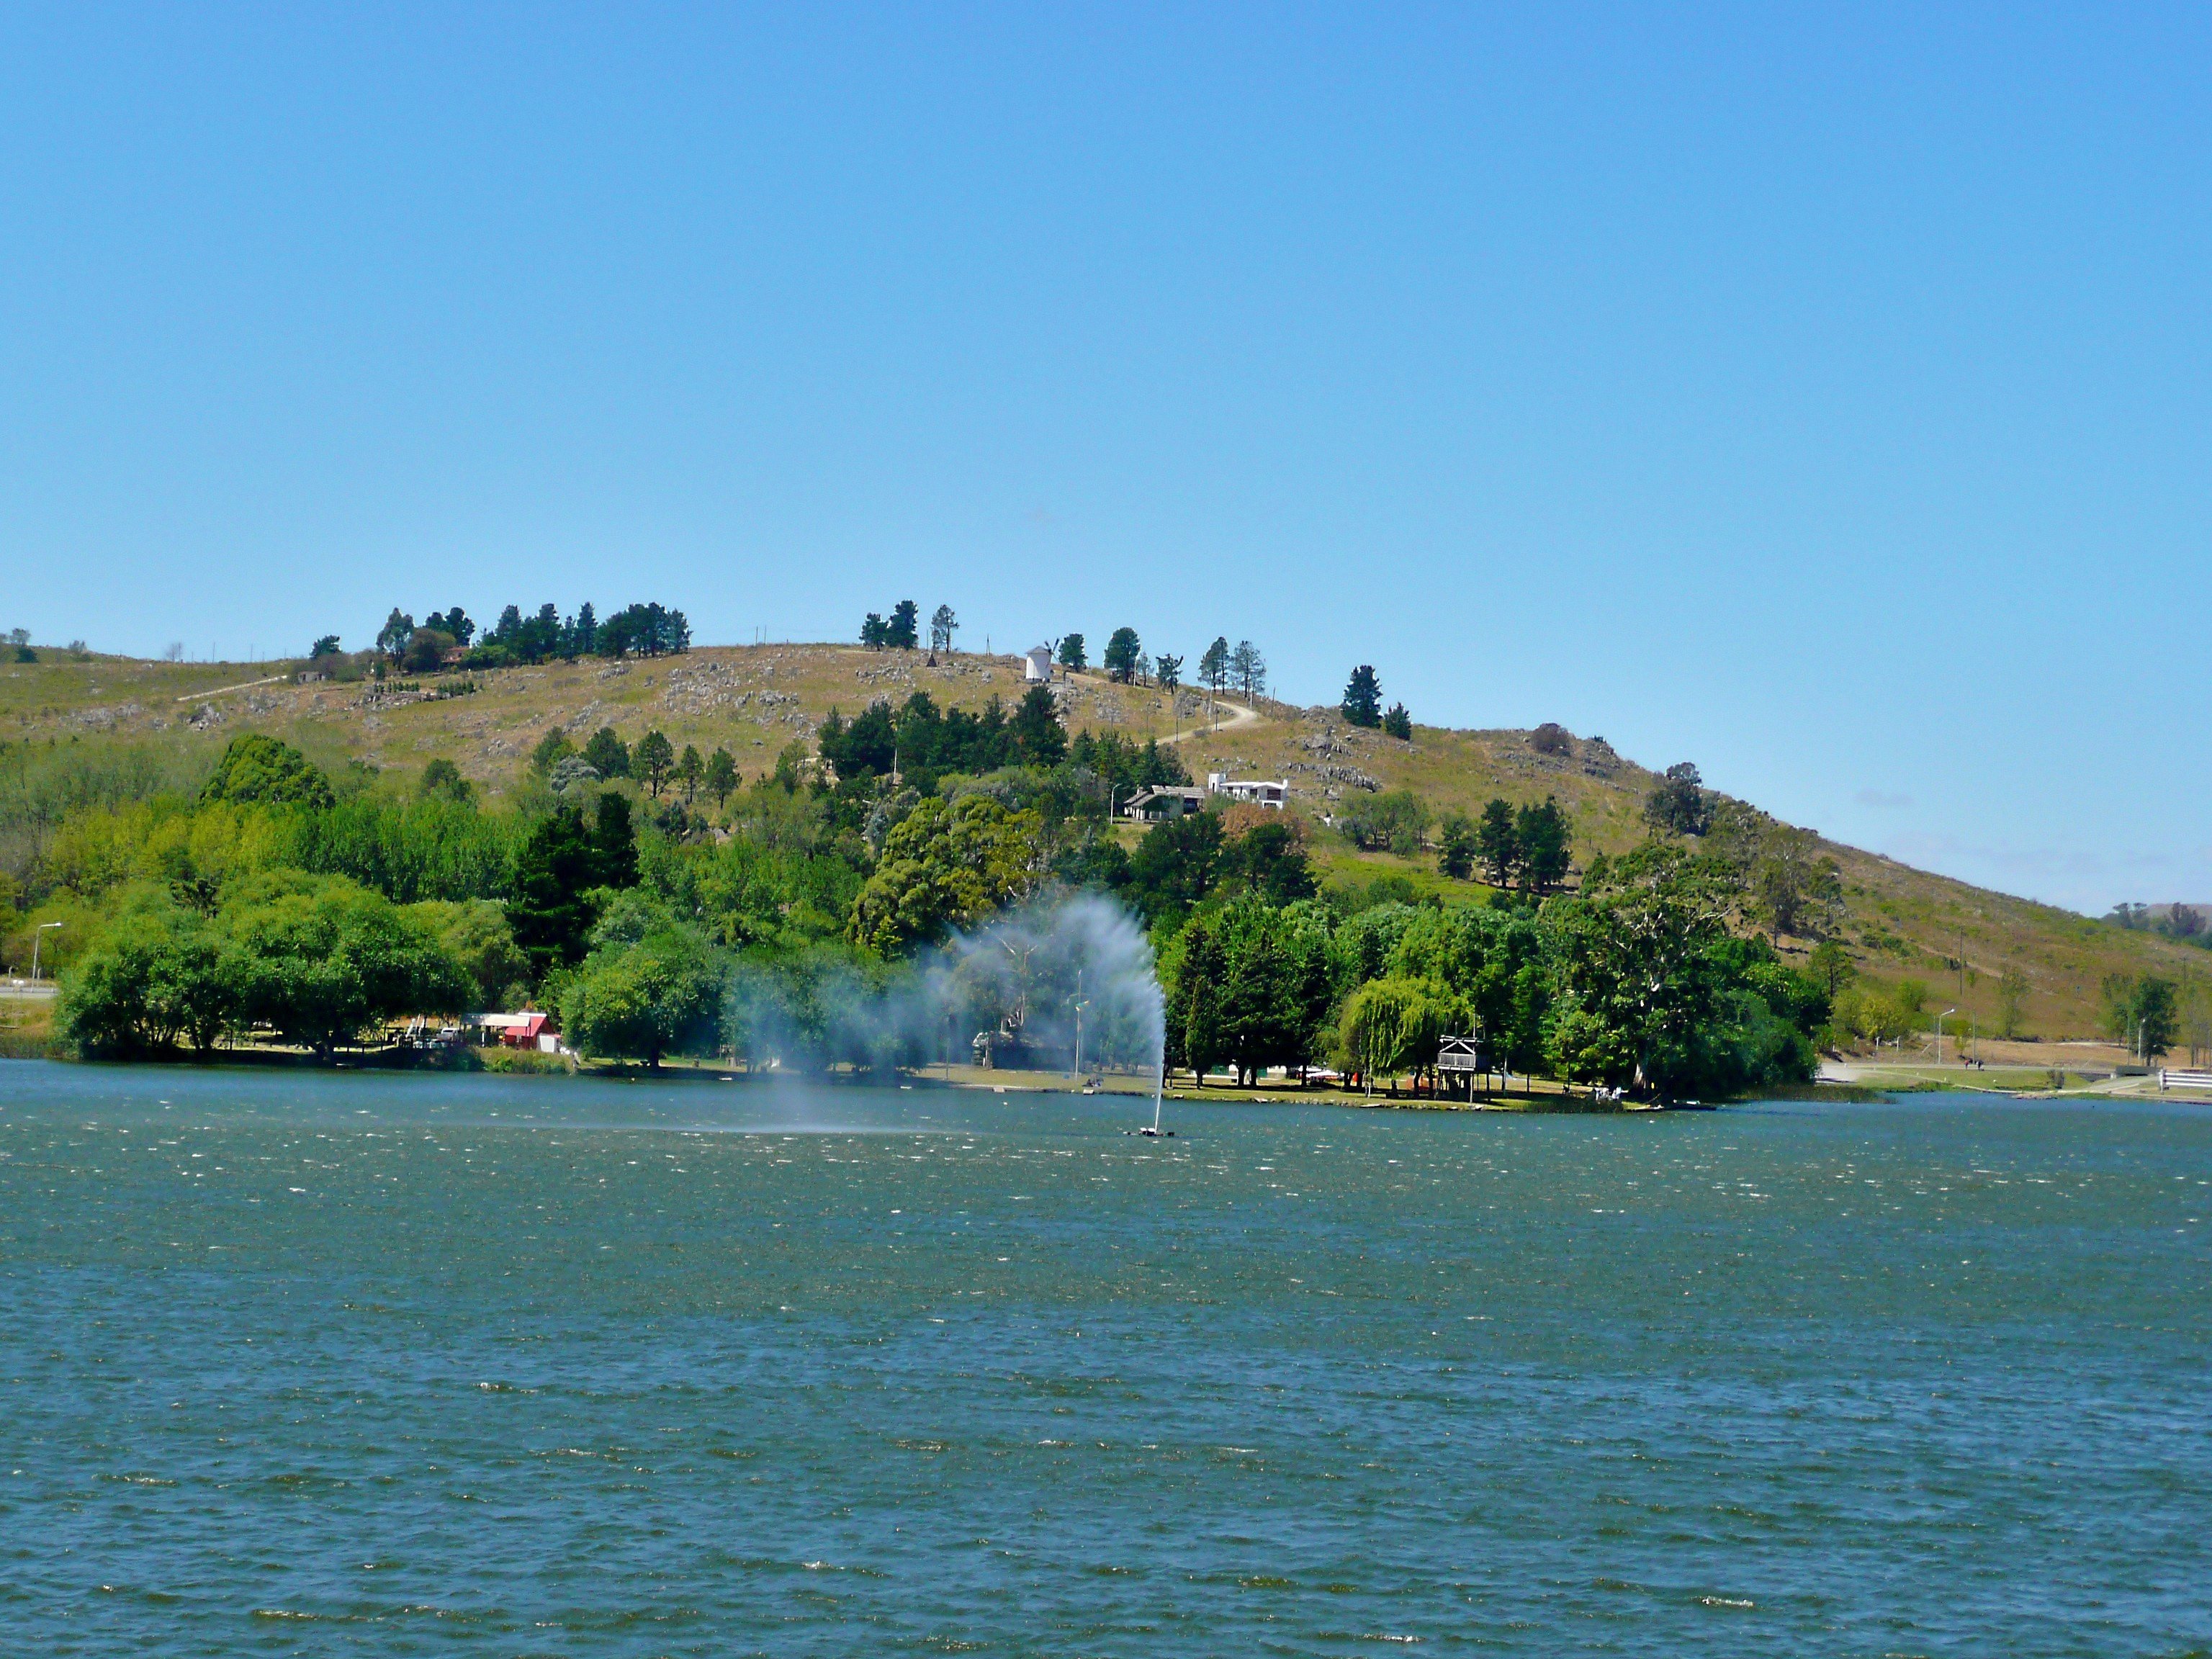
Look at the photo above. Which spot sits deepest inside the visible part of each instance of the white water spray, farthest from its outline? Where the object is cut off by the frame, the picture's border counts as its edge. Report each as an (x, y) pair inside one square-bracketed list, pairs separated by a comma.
[(1060, 984)]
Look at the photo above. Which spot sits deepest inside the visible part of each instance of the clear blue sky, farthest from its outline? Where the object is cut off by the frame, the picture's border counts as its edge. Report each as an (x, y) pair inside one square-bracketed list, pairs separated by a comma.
[(1819, 396)]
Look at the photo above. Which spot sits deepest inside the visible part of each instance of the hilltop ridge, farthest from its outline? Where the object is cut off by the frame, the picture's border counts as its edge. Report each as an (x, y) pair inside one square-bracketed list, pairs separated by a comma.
[(1897, 922)]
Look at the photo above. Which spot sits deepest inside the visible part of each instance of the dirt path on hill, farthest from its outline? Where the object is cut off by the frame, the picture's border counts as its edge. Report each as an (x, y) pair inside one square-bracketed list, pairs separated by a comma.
[(1240, 715)]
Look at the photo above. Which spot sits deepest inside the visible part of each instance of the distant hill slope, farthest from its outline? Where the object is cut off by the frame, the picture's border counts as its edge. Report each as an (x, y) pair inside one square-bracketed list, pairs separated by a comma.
[(755, 700)]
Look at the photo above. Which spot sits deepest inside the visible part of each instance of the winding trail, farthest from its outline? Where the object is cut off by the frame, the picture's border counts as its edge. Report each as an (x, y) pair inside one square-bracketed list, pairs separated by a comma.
[(1240, 715)]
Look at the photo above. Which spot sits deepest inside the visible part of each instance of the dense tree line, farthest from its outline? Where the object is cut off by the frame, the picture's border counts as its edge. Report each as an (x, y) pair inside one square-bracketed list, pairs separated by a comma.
[(544, 635), (273, 896)]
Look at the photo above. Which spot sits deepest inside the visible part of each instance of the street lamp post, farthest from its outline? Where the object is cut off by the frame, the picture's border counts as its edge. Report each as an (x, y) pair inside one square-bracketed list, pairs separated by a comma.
[(1940, 1019), (39, 937)]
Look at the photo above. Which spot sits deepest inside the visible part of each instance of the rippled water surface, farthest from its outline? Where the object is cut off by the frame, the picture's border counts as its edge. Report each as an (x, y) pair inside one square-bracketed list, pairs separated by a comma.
[(358, 1364)]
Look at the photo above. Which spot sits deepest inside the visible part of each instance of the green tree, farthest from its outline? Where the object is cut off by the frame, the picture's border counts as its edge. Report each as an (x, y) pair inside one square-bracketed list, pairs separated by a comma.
[(1795, 889), (1545, 844), (655, 758), (1831, 965), (425, 651), (1363, 698), (325, 646), (1272, 862), (399, 627), (1247, 669), (442, 777), (946, 867), (1497, 839), (875, 633), (614, 843), (1678, 804), (1397, 822), (1397, 723), (1174, 866), (649, 988), (1637, 993), (1213, 666), (258, 769), (2012, 999), (1070, 651), (1395, 1025), (721, 775), (943, 625), (324, 962), (2141, 1013), (1460, 845), (903, 631), (551, 911), (160, 974), (1196, 1035), (691, 771), (477, 934), (552, 748), (1037, 734), (1168, 671), (1121, 653), (606, 754)]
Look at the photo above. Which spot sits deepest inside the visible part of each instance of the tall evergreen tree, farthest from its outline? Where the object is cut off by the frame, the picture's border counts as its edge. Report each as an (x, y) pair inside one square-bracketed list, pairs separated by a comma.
[(1363, 698), (1122, 653), (614, 842), (721, 775), (550, 912), (1546, 846), (606, 754), (903, 631), (1213, 666), (655, 759), (1035, 729), (1397, 723), (1499, 842)]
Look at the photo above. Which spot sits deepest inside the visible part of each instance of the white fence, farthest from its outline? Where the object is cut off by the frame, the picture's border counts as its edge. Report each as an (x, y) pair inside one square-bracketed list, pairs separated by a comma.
[(2200, 1080)]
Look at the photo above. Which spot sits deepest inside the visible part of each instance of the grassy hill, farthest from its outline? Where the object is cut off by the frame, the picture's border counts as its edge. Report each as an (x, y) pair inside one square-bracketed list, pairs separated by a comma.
[(171, 719)]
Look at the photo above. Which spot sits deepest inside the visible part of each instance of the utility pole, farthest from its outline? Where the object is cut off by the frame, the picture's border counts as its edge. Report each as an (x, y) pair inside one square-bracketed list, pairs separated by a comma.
[(38, 938)]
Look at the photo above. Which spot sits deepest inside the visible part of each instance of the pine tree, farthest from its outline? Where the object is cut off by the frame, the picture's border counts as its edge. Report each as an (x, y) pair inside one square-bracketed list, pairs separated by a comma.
[(1122, 651), (606, 754), (1213, 666), (1398, 723), (614, 843), (655, 758), (903, 632), (1499, 843), (1363, 698), (1035, 729), (721, 775)]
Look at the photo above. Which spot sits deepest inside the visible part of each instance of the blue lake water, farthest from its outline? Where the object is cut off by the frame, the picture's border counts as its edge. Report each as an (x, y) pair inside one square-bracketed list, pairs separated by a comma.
[(358, 1364)]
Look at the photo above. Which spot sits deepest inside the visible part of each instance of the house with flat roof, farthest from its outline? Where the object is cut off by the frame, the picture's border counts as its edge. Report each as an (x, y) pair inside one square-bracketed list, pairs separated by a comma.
[(1260, 792)]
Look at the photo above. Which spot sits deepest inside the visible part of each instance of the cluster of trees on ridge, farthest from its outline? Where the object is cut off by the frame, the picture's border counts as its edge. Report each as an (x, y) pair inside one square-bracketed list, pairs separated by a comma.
[(1222, 668), (450, 639)]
